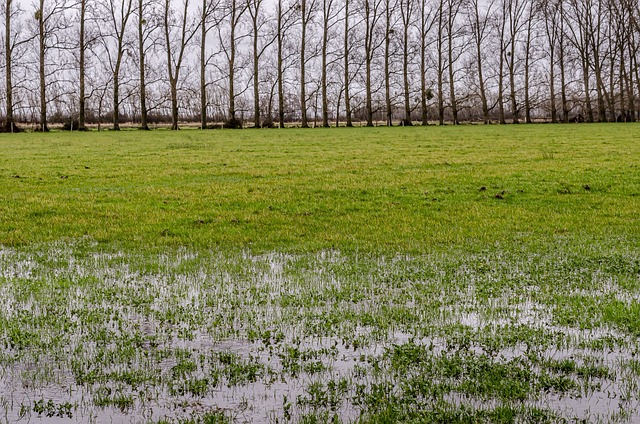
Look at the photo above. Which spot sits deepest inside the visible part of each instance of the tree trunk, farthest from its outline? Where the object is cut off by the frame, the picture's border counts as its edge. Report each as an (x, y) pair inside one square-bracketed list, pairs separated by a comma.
[(368, 51), (563, 78), (587, 89), (347, 98), (387, 70), (81, 43), (143, 84), (303, 65), (232, 65), (325, 41), (527, 100), (452, 92), (116, 91), (42, 72), (440, 66), (9, 123), (423, 63), (479, 28), (407, 12), (256, 56), (280, 70)]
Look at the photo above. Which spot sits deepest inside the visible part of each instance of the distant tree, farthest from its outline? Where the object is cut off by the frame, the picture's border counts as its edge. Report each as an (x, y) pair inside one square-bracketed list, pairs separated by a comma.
[(307, 12), (114, 17), (389, 32), (407, 12), (260, 31), (12, 41), (372, 42), (346, 51), (578, 32), (551, 16), (228, 37), (531, 21), (82, 48), (329, 21), (479, 20), (179, 30), (207, 21), (453, 32), (148, 24), (427, 19)]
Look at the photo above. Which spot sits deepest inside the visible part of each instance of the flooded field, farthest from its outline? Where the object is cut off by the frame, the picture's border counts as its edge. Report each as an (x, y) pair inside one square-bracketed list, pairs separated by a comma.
[(202, 336)]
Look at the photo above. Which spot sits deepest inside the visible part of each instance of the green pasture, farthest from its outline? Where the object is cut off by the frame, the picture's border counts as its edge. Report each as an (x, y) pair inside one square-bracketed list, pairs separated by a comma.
[(384, 189), (371, 275)]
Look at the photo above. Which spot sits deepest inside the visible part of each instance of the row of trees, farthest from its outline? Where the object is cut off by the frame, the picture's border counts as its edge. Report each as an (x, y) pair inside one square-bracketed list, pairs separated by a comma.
[(320, 61)]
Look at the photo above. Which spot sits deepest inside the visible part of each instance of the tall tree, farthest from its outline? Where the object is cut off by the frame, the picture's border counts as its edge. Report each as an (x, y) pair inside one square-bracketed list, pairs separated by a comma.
[(346, 57), (550, 10), (328, 19), (259, 30), (207, 20), (407, 12), (372, 16), (229, 42), (530, 21), (82, 48), (562, 63), (115, 16), (515, 14), (389, 32), (579, 36), (502, 37), (479, 23), (440, 51), (307, 12), (11, 43), (179, 31), (146, 29), (453, 8), (427, 20)]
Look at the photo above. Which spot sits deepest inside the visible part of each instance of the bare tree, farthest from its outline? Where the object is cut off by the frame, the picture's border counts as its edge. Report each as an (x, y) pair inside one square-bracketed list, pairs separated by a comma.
[(530, 20), (347, 56), (82, 47), (479, 24), (12, 42), (514, 11), (147, 26), (440, 51), (114, 16), (233, 13), (427, 20), (453, 8), (329, 21), (307, 11), (579, 37), (551, 15), (389, 31), (259, 30), (372, 16), (51, 23), (179, 31), (407, 11)]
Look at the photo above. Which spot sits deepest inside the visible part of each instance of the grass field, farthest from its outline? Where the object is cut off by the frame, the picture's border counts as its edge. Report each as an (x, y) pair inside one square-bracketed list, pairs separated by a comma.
[(439, 274)]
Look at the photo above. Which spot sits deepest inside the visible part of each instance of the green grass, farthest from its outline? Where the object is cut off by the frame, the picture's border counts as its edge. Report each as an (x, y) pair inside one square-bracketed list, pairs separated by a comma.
[(440, 274), (384, 189)]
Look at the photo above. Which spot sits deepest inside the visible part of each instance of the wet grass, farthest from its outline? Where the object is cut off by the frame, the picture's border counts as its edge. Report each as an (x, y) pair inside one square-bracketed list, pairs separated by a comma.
[(474, 274)]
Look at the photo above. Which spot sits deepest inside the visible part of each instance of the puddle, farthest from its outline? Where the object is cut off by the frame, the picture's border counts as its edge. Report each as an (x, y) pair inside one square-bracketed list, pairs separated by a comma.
[(230, 316)]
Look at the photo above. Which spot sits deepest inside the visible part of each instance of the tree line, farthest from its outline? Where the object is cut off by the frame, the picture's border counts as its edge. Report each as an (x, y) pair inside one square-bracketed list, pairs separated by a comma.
[(266, 63)]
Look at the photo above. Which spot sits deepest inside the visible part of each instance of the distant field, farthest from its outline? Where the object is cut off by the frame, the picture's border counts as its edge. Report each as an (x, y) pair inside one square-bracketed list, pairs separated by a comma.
[(438, 274)]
